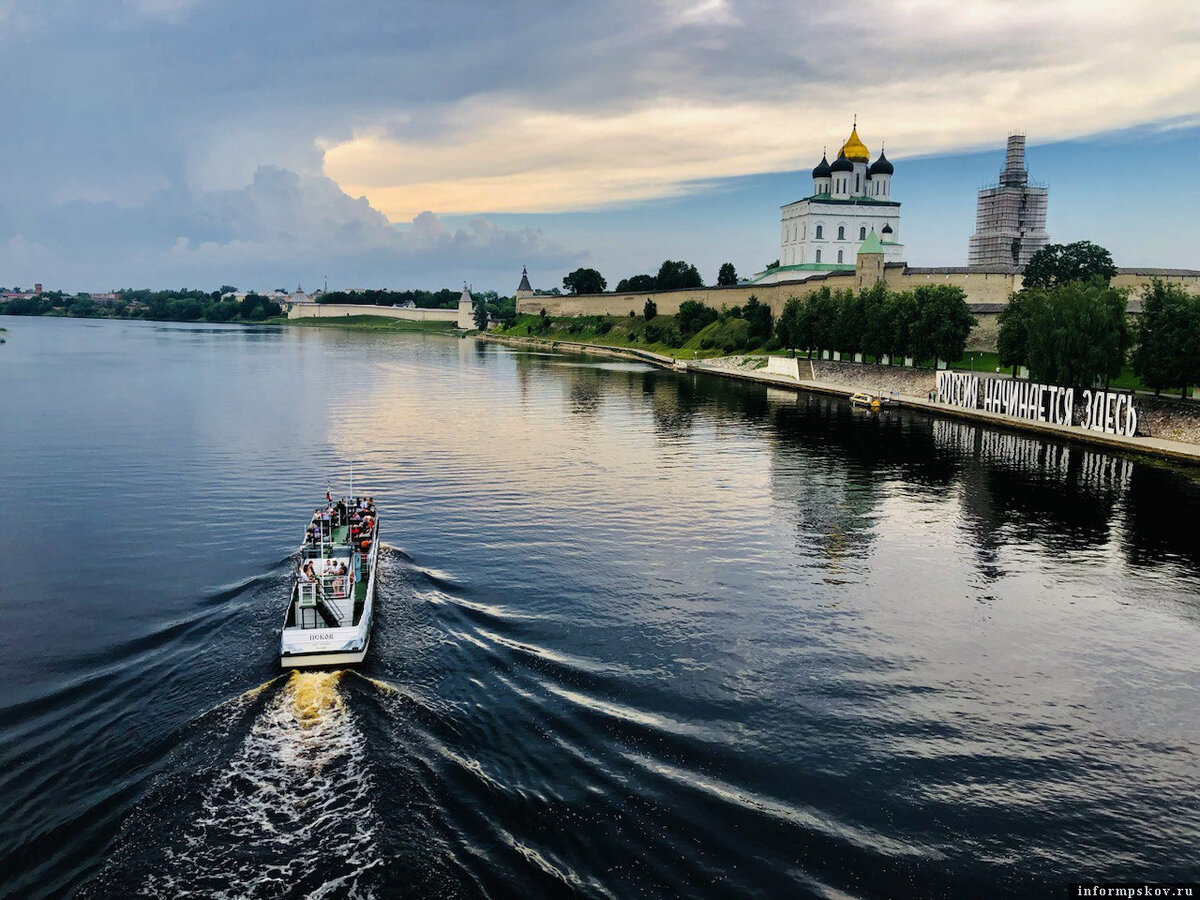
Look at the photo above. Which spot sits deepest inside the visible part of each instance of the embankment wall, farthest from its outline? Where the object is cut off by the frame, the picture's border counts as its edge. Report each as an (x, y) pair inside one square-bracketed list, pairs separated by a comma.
[(339, 310)]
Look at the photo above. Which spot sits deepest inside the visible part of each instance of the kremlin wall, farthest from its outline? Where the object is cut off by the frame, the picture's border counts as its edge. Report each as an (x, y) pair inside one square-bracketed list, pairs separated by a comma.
[(829, 239)]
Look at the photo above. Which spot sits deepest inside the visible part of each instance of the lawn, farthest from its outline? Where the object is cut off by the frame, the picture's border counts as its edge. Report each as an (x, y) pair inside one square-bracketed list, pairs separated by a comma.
[(372, 323)]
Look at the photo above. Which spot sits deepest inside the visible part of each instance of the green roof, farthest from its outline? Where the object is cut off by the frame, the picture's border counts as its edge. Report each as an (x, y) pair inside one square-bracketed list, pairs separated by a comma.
[(871, 244), (805, 267)]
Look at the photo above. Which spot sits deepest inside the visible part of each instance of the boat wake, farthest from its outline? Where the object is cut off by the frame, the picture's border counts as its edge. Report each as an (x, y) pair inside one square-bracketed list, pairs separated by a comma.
[(289, 813)]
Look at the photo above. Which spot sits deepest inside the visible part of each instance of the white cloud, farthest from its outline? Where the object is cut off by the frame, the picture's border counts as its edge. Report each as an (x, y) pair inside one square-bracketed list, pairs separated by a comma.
[(928, 76)]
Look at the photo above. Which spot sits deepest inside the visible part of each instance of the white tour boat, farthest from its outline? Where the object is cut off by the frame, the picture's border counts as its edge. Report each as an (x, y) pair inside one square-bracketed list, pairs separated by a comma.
[(333, 589)]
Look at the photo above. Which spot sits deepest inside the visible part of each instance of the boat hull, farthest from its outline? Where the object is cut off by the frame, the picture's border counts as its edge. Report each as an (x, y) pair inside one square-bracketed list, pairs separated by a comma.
[(327, 660)]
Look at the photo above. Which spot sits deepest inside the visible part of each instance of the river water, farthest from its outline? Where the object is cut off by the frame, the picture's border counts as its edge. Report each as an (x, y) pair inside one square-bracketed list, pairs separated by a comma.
[(639, 633)]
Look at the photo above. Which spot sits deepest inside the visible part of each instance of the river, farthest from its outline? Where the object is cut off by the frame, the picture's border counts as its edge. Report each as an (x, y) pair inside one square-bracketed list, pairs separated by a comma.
[(640, 633)]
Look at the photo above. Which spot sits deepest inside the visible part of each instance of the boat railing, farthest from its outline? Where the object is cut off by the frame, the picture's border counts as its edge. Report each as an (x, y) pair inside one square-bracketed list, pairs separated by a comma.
[(311, 596)]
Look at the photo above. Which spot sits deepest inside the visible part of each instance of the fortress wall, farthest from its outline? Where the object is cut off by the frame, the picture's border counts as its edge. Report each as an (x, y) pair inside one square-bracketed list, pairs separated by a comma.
[(1136, 279), (339, 310), (775, 295), (979, 287)]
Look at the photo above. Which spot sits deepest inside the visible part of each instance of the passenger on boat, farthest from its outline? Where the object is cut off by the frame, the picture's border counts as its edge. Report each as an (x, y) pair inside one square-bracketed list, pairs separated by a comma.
[(307, 573)]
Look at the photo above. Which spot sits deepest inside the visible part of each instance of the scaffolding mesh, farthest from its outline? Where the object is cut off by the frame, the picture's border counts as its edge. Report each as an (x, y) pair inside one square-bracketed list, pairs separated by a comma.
[(1010, 219)]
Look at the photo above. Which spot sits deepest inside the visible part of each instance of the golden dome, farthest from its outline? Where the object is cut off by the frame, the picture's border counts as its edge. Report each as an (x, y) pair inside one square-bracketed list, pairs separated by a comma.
[(855, 149)]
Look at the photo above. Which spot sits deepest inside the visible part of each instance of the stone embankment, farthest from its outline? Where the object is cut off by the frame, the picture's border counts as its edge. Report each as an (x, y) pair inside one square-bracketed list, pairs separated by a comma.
[(1166, 428), (855, 377)]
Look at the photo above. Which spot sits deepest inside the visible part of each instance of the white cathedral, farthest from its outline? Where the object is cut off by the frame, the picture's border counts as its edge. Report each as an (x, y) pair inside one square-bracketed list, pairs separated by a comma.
[(851, 197)]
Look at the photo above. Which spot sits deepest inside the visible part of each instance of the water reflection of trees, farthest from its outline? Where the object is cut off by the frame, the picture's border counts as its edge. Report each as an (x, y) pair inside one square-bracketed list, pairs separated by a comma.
[(832, 462), (1161, 506)]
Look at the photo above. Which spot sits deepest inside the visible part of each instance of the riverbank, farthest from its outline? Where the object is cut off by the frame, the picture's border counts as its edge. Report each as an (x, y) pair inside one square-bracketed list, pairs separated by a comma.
[(1163, 421), (366, 323)]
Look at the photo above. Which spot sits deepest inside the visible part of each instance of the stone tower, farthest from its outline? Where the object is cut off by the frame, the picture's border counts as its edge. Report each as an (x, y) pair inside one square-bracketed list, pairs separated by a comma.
[(868, 267), (466, 310), (1010, 220)]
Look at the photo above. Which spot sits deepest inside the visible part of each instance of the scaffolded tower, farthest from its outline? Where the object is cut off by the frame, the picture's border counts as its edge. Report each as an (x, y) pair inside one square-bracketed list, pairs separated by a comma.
[(1010, 221)]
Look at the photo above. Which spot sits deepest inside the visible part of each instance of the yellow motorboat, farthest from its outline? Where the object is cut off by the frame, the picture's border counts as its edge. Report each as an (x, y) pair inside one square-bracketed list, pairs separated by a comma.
[(866, 401)]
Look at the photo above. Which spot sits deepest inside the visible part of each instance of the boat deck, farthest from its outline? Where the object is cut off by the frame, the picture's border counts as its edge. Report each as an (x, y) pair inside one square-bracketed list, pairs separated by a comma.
[(340, 542)]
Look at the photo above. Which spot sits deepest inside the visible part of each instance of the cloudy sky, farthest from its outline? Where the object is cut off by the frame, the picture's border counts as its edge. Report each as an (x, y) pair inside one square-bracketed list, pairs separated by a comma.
[(405, 144)]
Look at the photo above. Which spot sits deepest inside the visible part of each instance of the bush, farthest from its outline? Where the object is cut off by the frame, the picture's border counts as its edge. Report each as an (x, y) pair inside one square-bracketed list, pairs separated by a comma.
[(693, 316), (604, 326), (649, 310), (654, 334)]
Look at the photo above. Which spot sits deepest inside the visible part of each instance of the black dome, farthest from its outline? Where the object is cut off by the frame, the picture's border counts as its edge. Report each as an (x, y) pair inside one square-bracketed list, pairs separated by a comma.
[(887, 229), (822, 170), (881, 166), (841, 164)]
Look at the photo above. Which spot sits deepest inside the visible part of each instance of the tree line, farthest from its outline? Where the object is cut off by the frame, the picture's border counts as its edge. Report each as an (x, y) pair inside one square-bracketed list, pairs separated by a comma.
[(1068, 325), (673, 274), (927, 323), (184, 305)]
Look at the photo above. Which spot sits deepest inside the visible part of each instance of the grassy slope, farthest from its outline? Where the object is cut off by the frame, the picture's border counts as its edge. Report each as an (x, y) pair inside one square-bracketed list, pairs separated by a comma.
[(631, 332), (373, 323)]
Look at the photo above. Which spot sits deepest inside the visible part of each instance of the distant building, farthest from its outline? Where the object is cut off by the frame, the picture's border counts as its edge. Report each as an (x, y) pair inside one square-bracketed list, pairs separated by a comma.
[(466, 310), (851, 197), (1010, 220)]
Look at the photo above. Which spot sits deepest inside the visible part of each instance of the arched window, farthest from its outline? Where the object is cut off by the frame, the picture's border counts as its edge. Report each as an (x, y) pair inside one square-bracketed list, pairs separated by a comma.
[(820, 229), (839, 256), (818, 252), (841, 232), (858, 182), (862, 233)]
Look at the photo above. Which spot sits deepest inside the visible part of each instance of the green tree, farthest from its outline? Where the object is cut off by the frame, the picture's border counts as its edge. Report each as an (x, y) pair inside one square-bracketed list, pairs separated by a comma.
[(649, 309), (1078, 334), (675, 273), (758, 318), (693, 316), (944, 321), (816, 326), (878, 325), (636, 284), (727, 275), (479, 312), (906, 314), (1012, 340), (1167, 337), (788, 327), (222, 311), (1058, 264), (584, 281)]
